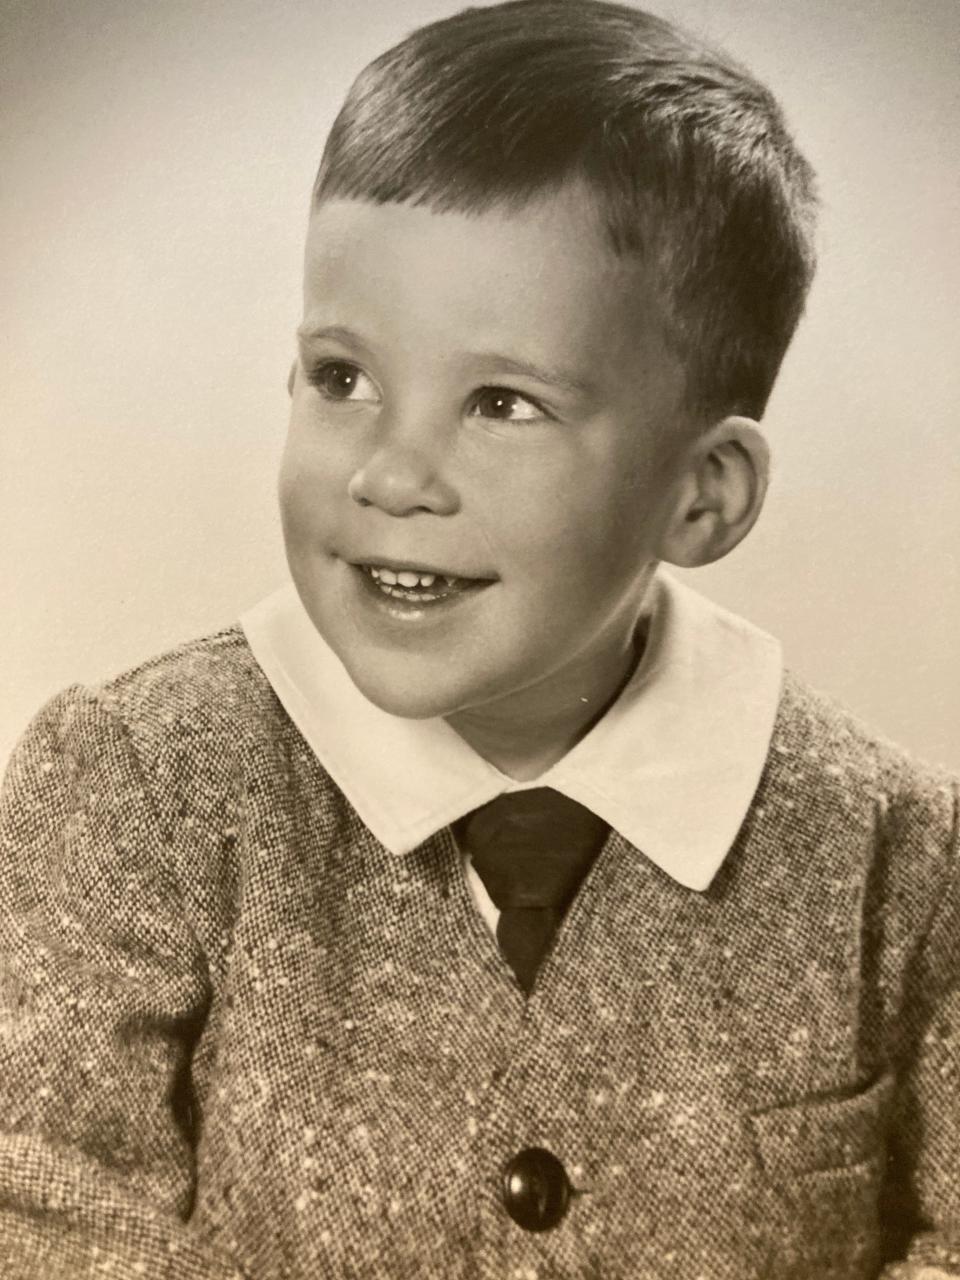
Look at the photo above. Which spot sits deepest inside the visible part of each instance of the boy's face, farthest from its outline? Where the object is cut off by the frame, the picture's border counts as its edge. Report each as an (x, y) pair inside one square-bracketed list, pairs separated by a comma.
[(485, 398)]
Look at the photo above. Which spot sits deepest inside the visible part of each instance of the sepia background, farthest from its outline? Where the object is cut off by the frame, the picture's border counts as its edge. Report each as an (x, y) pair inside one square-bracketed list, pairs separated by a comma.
[(155, 161)]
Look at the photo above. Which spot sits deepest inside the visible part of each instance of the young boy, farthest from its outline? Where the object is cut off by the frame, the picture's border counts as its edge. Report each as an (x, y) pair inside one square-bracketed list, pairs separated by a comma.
[(275, 1005)]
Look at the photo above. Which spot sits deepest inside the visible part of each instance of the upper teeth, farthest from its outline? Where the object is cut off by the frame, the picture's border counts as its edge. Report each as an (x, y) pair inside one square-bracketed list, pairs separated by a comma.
[(405, 578)]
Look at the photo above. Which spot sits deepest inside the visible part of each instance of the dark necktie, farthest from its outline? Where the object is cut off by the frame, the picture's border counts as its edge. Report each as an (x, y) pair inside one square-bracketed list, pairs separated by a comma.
[(531, 849)]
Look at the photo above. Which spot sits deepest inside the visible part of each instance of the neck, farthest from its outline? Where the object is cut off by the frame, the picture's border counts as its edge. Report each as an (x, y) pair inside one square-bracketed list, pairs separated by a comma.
[(525, 734)]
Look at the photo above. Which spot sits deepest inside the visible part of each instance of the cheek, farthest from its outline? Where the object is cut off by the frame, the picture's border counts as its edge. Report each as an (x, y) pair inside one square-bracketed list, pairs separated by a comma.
[(295, 485), (635, 503), (586, 533), (311, 476)]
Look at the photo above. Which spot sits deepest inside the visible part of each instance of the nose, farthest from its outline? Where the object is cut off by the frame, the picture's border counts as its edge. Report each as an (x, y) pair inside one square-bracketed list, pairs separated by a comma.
[(401, 477)]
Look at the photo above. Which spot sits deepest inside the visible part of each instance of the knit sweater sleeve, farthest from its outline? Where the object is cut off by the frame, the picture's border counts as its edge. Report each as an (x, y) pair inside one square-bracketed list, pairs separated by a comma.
[(103, 990), (925, 1194)]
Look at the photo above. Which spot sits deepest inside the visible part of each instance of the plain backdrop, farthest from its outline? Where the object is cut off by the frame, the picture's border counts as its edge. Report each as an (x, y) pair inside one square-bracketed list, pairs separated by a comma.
[(155, 164)]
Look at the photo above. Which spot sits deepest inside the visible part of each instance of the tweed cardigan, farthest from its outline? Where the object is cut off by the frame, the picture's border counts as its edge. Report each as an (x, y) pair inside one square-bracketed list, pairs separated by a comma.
[(241, 1039)]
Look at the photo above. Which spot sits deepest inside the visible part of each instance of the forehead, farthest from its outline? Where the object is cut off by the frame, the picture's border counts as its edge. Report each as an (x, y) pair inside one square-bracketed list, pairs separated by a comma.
[(539, 282)]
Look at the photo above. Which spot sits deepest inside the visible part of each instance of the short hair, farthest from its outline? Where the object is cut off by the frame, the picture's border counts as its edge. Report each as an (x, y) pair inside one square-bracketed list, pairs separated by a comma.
[(687, 154)]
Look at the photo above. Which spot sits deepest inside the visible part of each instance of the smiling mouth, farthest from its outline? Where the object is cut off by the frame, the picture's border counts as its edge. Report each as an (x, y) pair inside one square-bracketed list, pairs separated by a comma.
[(418, 586)]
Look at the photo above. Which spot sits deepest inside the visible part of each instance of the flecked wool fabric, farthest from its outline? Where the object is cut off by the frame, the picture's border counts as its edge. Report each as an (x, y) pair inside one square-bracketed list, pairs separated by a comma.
[(241, 1039)]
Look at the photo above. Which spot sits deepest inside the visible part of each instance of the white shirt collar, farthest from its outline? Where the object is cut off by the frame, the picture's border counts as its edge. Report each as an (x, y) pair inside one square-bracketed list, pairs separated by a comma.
[(672, 766)]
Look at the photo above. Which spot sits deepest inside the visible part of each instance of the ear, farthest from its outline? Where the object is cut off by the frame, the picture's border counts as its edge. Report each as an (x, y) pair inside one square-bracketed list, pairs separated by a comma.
[(720, 492), (291, 378)]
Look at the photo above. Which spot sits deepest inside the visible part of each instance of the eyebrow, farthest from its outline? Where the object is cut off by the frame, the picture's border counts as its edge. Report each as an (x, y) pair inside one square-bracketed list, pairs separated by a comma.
[(553, 377), (558, 378), (338, 332)]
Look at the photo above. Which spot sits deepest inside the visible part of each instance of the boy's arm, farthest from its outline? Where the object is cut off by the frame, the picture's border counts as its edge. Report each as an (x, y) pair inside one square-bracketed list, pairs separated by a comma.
[(923, 1202), (103, 990)]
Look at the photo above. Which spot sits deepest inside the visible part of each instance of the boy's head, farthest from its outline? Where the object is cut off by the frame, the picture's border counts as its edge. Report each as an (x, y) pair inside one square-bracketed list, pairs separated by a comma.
[(686, 155), (555, 254)]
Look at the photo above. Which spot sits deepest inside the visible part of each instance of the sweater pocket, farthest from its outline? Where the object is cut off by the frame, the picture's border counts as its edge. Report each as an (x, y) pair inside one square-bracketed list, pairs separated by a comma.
[(823, 1135), (821, 1169)]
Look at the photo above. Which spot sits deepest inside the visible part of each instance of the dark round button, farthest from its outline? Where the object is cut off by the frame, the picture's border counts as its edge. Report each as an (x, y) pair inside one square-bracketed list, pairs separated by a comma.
[(536, 1189)]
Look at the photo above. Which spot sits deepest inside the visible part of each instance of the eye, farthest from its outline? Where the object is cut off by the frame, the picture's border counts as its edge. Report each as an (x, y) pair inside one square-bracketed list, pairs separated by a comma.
[(342, 380), (505, 405)]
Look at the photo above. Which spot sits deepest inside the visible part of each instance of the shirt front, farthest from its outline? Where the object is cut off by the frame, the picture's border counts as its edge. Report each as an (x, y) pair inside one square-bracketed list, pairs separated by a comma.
[(672, 765)]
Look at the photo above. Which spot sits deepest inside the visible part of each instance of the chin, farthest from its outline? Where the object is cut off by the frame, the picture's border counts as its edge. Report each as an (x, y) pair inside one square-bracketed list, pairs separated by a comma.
[(399, 695)]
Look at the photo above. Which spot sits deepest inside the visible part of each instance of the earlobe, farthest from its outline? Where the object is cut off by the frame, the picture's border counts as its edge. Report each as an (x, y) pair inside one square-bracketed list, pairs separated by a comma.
[(719, 494)]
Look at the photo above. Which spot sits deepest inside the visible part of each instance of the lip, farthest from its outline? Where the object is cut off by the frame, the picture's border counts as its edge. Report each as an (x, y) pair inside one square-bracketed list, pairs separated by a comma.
[(418, 566), (443, 602)]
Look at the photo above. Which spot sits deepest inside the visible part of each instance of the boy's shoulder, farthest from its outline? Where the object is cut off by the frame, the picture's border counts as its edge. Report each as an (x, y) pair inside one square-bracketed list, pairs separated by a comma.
[(824, 756), (816, 727), (208, 690), (178, 722)]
